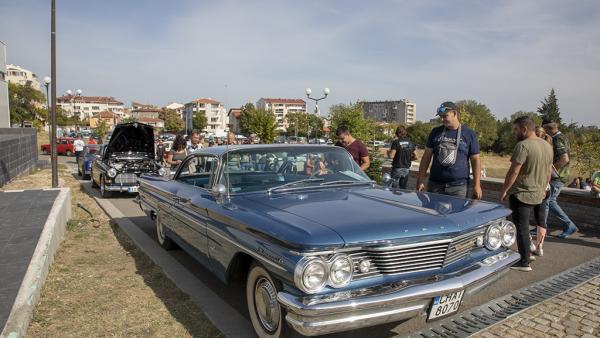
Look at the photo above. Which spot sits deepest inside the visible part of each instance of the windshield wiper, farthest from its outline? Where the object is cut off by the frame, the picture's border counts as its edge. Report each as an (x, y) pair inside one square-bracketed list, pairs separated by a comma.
[(346, 182), (291, 184)]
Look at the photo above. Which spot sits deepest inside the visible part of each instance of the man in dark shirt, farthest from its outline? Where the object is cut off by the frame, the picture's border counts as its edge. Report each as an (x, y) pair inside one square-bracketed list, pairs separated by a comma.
[(451, 145), (355, 147), (560, 146), (402, 151)]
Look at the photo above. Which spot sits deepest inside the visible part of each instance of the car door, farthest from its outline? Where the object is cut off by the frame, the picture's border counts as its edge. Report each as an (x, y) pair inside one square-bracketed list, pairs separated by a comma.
[(189, 210)]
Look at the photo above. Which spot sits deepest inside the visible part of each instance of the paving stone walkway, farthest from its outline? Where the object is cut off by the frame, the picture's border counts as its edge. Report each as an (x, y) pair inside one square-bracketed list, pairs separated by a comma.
[(572, 314)]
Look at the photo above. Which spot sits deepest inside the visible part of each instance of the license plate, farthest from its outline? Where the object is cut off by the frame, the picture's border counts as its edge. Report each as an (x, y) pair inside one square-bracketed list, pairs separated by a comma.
[(445, 305), (132, 189)]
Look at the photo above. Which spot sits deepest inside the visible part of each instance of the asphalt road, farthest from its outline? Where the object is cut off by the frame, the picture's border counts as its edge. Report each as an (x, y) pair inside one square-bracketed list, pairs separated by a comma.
[(559, 255)]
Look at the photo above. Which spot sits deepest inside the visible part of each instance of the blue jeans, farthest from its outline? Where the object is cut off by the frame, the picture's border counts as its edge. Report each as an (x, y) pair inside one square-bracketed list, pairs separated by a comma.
[(447, 189), (552, 205)]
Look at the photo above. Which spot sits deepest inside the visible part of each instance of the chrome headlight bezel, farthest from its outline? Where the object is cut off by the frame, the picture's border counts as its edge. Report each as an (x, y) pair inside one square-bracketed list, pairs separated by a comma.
[(493, 236), (303, 267), (509, 228), (112, 172), (345, 261), (162, 171)]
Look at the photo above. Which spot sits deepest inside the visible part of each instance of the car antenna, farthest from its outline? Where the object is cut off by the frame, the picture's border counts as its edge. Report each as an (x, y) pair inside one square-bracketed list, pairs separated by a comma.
[(227, 165)]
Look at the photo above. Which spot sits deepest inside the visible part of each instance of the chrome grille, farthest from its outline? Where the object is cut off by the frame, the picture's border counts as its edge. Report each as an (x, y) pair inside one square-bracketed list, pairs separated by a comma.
[(415, 257), (461, 246), (126, 178)]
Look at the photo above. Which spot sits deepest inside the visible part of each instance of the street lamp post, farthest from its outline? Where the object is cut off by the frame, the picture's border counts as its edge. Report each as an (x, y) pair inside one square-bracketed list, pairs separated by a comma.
[(326, 92), (53, 157)]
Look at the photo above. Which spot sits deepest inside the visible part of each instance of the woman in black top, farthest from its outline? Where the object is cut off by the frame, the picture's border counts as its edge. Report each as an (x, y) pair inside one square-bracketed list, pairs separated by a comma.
[(402, 151), (178, 152)]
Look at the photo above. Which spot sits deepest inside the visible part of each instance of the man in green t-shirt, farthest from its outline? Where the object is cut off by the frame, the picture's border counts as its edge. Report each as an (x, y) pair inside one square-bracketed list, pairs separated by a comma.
[(596, 184), (526, 182), (561, 148)]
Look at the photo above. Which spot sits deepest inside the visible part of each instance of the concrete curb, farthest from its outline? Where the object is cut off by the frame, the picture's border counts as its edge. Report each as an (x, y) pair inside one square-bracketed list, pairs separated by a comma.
[(225, 318), (31, 287)]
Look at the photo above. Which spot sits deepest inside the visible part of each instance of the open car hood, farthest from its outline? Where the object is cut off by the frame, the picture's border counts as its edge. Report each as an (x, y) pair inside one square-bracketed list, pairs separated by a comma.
[(131, 137)]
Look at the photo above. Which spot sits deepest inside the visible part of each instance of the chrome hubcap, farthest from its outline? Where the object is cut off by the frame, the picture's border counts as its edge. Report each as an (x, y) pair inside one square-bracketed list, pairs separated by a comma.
[(265, 302), (159, 230)]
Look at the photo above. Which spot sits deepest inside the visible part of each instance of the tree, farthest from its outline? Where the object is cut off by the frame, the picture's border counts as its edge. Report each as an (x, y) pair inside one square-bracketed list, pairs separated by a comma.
[(172, 120), (351, 116), (129, 119), (506, 141), (26, 104), (199, 121), (585, 142), (101, 129), (419, 132), (549, 108), (260, 122), (479, 118)]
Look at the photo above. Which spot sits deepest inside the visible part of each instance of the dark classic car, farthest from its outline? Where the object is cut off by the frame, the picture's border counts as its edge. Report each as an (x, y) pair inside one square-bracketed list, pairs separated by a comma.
[(128, 154), (86, 160), (321, 248)]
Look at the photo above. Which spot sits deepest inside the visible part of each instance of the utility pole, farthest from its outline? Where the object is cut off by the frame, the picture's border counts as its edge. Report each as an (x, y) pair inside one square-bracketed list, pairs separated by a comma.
[(53, 158)]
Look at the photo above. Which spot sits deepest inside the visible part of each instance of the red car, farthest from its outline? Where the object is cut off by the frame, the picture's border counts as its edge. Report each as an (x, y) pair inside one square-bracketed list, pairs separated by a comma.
[(64, 146)]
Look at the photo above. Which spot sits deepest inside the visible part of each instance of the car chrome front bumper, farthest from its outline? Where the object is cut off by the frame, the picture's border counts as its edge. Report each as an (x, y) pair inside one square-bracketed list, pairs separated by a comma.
[(121, 187), (312, 317)]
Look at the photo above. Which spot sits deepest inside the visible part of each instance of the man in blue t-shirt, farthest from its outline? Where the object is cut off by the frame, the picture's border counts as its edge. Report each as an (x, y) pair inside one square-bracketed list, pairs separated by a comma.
[(451, 145)]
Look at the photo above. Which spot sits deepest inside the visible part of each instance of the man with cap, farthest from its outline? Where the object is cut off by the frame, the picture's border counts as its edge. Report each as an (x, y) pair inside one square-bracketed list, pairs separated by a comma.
[(452, 146), (561, 148)]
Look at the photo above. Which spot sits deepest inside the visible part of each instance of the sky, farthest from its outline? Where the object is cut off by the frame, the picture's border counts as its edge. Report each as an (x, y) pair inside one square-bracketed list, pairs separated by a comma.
[(505, 54)]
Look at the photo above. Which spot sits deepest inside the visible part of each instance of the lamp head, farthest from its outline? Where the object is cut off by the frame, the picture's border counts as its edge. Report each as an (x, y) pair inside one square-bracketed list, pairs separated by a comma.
[(69, 92), (326, 91), (308, 91), (47, 80), (79, 91)]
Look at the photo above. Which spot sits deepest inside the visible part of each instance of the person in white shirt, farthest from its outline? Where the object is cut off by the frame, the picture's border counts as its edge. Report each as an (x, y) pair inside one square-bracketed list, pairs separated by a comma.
[(78, 147), (194, 143)]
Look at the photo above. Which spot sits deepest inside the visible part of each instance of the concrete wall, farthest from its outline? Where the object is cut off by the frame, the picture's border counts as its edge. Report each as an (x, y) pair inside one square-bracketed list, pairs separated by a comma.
[(582, 208), (18, 152)]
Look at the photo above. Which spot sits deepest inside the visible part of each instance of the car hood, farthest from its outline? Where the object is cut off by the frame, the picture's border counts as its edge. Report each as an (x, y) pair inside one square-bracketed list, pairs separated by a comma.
[(377, 215), (131, 138)]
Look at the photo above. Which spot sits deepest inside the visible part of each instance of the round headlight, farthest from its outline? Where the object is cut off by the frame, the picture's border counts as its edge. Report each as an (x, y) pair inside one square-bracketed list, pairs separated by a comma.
[(509, 233), (162, 171), (493, 237), (340, 271), (112, 172), (311, 275)]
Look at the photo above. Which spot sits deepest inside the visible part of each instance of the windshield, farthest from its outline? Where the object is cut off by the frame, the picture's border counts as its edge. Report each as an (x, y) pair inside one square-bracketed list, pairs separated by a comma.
[(249, 170)]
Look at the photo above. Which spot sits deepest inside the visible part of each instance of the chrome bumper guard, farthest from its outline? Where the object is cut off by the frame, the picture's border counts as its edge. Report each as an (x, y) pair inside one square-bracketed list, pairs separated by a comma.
[(396, 303), (121, 188)]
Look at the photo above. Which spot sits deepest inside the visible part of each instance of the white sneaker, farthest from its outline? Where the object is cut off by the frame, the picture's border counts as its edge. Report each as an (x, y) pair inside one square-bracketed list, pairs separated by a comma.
[(538, 252)]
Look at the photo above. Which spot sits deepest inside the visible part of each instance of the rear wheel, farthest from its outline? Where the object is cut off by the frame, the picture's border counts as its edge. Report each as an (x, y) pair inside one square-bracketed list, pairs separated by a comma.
[(45, 152), (103, 192), (163, 240), (68, 153), (266, 314)]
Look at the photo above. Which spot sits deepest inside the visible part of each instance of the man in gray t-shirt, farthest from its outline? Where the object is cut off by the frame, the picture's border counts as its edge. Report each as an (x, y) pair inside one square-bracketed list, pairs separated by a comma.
[(526, 182)]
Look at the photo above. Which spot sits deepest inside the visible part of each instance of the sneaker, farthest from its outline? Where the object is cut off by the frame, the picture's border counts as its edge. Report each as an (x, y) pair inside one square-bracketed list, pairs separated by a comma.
[(567, 233), (521, 267), (532, 257), (538, 252)]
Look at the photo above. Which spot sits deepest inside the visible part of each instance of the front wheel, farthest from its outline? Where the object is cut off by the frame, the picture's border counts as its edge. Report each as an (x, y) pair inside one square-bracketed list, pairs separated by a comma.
[(266, 315), (103, 192), (68, 153)]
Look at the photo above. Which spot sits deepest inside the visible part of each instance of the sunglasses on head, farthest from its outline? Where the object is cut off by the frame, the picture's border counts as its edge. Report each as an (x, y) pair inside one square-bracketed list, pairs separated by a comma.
[(443, 109)]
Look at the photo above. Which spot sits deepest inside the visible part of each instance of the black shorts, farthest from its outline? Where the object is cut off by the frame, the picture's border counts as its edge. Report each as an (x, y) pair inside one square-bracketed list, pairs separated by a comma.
[(540, 214)]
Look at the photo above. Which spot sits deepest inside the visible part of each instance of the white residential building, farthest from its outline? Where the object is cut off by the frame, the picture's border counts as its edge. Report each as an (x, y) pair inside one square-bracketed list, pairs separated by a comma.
[(24, 77), (215, 113), (281, 107), (177, 107), (88, 106)]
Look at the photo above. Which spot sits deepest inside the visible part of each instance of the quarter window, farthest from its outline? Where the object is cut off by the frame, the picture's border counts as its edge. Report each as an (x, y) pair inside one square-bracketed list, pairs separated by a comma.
[(198, 171)]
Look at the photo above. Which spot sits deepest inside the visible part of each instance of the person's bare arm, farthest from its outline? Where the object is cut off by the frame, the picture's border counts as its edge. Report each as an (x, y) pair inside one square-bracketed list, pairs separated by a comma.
[(391, 153), (365, 163), (423, 166), (511, 177), (595, 187), (562, 160), (476, 165)]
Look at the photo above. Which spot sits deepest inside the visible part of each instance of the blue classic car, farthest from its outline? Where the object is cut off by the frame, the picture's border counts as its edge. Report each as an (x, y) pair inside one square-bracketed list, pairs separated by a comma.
[(321, 248), (86, 160)]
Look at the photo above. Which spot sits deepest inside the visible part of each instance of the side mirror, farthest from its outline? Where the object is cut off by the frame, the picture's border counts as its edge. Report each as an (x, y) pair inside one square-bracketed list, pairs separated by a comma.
[(386, 178), (219, 190)]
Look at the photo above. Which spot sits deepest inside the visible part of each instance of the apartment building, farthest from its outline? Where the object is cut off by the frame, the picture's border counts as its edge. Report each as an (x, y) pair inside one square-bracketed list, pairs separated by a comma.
[(282, 107), (215, 113), (234, 120), (24, 77), (401, 111), (89, 106)]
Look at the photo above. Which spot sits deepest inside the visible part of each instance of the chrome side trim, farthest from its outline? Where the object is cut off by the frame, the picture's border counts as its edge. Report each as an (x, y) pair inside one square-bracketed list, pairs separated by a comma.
[(252, 253)]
